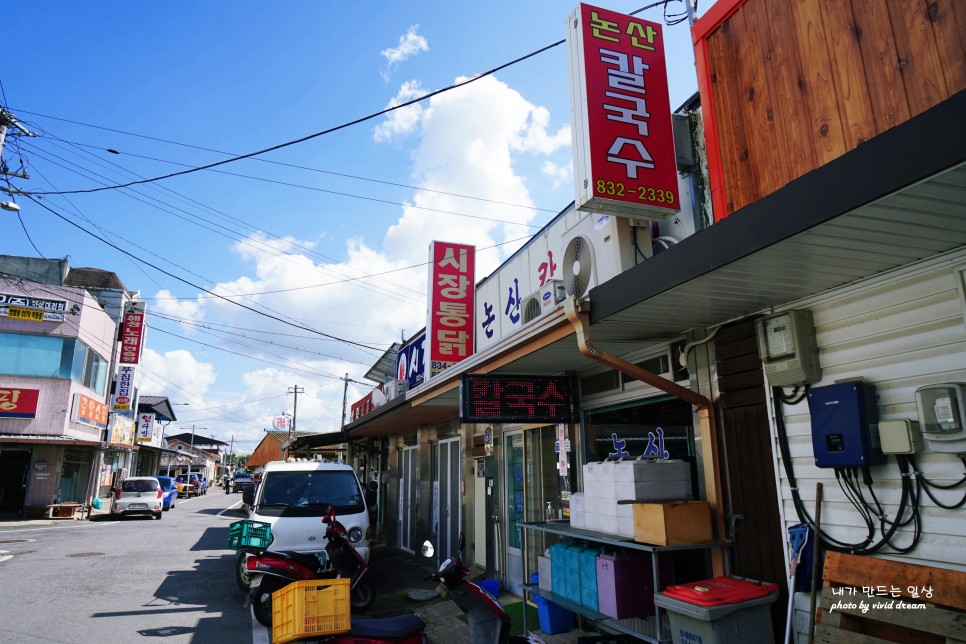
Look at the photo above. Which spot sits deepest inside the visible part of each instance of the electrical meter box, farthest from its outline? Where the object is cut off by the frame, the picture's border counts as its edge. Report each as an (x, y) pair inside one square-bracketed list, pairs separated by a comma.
[(844, 432), (942, 417), (786, 343)]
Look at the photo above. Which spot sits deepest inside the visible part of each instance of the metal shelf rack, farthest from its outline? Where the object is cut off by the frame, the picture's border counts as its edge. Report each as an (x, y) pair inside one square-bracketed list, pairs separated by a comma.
[(650, 629)]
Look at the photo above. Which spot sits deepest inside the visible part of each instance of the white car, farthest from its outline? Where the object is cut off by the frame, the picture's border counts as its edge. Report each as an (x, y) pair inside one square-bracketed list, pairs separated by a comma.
[(138, 495)]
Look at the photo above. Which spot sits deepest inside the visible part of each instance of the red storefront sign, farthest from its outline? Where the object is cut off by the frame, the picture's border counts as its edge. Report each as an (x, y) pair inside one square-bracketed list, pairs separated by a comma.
[(18, 403), (131, 334), (624, 159), (449, 329), (89, 411)]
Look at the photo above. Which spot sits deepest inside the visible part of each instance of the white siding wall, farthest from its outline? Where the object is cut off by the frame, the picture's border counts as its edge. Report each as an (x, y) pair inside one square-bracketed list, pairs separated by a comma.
[(898, 331)]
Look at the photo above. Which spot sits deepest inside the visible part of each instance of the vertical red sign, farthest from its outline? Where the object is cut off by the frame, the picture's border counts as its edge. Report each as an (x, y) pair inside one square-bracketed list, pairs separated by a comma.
[(449, 329), (131, 335), (624, 159)]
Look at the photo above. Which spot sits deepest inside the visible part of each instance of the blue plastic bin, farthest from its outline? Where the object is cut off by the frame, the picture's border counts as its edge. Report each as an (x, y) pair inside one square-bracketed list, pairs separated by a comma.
[(491, 586), (553, 619)]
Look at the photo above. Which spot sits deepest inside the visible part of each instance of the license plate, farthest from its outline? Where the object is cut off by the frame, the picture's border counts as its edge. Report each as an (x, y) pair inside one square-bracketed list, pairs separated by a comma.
[(138, 506)]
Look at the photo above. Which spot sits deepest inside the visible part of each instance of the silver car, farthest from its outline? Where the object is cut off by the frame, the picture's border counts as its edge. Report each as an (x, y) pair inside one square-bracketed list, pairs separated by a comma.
[(138, 495)]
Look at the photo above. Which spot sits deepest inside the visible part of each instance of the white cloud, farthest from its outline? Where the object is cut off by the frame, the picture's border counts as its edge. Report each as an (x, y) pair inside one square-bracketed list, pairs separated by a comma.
[(404, 120), (467, 141), (410, 44), (165, 303), (559, 174), (177, 374)]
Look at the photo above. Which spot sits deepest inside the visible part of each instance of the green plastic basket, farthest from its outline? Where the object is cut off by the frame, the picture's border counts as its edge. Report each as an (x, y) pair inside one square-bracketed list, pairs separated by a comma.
[(249, 534)]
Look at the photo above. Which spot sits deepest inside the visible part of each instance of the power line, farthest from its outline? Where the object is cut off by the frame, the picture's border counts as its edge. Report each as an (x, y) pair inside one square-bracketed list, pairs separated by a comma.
[(271, 161), (309, 137), (200, 288)]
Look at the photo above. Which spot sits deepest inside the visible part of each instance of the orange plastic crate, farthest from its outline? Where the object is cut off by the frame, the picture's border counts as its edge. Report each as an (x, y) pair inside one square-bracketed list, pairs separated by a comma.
[(314, 607)]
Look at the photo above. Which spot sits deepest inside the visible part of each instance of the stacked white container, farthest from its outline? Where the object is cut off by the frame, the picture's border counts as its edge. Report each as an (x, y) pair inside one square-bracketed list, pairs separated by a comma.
[(608, 482)]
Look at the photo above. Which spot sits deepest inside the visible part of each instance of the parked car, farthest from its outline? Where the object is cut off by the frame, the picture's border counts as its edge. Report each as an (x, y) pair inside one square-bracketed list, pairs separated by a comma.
[(138, 495), (169, 491), (242, 481), (190, 485)]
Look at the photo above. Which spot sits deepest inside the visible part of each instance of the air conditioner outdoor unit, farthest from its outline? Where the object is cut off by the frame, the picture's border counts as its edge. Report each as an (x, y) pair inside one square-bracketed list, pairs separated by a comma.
[(600, 247), (549, 295)]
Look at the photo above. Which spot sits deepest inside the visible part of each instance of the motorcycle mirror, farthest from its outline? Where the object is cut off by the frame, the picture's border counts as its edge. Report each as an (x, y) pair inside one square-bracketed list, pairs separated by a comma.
[(427, 549)]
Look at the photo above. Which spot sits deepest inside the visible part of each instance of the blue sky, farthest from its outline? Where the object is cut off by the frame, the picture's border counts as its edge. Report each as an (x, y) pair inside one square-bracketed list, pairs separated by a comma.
[(330, 234)]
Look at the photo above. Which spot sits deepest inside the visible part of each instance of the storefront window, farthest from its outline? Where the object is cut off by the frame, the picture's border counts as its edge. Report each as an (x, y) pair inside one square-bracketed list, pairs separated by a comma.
[(662, 428), (50, 356)]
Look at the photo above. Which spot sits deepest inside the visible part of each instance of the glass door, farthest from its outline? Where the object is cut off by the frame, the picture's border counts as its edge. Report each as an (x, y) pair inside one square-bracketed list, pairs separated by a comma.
[(407, 498), (515, 509)]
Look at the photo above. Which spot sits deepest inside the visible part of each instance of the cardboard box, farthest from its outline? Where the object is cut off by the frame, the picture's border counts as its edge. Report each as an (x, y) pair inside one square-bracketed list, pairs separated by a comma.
[(673, 523)]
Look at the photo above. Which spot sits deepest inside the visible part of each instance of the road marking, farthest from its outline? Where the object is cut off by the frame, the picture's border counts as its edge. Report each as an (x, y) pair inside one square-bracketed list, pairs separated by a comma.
[(232, 507), (4, 556)]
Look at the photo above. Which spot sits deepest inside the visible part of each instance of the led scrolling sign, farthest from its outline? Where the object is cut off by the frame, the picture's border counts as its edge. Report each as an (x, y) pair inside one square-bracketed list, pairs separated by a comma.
[(507, 399)]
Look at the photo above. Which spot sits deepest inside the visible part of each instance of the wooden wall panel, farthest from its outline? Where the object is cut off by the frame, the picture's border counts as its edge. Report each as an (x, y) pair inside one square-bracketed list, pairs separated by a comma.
[(877, 46), (721, 52), (949, 25), (858, 125), (795, 84), (786, 74), (919, 61)]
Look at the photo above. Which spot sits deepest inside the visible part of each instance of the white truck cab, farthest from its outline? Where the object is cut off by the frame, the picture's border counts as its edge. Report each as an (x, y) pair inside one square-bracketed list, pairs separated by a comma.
[(294, 496)]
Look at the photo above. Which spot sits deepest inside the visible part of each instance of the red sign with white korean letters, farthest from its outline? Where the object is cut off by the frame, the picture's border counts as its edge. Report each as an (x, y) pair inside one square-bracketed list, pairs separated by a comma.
[(451, 290), (18, 403), (624, 159), (131, 335)]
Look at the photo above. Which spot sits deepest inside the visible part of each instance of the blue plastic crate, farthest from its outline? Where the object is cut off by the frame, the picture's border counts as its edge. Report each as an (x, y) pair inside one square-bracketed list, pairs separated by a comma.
[(588, 576)]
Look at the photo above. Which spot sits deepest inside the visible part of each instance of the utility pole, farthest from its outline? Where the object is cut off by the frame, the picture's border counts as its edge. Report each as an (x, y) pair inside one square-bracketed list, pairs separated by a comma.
[(193, 428), (7, 121), (295, 407), (345, 395)]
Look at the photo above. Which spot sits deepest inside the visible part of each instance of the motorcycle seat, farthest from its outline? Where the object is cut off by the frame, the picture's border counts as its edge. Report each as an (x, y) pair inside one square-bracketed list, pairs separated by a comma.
[(387, 628)]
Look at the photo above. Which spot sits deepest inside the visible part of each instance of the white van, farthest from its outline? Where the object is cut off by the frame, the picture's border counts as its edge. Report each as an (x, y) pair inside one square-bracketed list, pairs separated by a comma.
[(294, 496)]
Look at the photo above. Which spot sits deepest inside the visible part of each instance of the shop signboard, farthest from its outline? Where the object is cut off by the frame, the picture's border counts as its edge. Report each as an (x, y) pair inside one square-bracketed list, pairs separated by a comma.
[(624, 161), (33, 309), (149, 430), (122, 430), (510, 399), (132, 334), (411, 360), (88, 411), (449, 328), (16, 402), (124, 391)]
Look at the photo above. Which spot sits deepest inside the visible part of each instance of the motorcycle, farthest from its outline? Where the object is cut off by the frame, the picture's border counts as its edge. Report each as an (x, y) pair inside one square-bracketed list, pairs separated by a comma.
[(270, 571), (487, 619)]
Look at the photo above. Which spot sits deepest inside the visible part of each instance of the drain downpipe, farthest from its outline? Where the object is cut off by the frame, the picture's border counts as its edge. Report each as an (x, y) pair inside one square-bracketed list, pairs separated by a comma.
[(580, 319)]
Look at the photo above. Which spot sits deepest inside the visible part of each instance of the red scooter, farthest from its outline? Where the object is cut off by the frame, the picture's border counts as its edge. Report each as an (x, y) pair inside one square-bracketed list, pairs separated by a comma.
[(271, 571), (487, 619)]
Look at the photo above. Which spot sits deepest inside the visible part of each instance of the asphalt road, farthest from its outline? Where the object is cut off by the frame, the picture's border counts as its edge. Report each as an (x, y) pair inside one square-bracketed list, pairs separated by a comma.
[(133, 580)]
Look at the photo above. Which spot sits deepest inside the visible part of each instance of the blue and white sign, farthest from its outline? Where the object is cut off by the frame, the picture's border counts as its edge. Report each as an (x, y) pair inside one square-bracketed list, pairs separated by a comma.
[(410, 361)]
